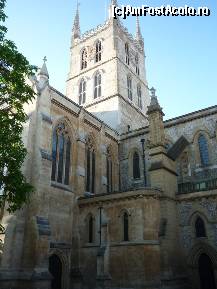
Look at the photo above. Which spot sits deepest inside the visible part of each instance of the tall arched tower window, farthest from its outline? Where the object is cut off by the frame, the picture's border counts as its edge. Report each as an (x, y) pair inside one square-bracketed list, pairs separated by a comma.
[(97, 85), (139, 94), (90, 167), (125, 227), (109, 171), (137, 63), (84, 59), (129, 87), (203, 148), (127, 54), (200, 229), (82, 92), (61, 152), (136, 166), (98, 47)]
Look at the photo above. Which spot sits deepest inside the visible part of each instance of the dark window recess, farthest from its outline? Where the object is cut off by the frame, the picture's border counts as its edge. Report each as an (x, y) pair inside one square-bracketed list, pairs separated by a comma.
[(200, 228), (90, 170), (90, 229), (136, 166), (203, 148), (109, 175), (98, 56), (84, 59), (127, 54), (126, 226), (93, 173)]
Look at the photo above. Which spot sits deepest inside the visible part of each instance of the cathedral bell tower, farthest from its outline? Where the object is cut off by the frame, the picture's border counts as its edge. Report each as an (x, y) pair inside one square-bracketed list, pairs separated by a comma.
[(107, 73)]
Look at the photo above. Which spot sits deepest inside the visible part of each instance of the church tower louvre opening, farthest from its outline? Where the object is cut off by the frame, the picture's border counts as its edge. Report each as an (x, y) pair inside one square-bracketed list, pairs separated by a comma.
[(105, 58)]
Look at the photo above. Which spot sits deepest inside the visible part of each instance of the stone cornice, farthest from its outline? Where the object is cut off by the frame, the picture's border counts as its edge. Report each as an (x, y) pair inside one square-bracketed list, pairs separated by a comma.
[(197, 195), (120, 196)]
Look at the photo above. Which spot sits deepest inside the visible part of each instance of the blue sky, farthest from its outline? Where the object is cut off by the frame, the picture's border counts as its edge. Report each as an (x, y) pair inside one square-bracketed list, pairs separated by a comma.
[(181, 52)]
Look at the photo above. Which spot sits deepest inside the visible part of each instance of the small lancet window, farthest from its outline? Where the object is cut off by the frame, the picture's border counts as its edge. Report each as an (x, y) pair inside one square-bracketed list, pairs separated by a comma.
[(90, 229), (84, 59), (109, 171), (125, 227), (97, 85), (90, 167), (82, 92), (61, 154), (98, 55), (127, 54), (136, 166), (203, 148), (137, 64), (200, 229), (139, 94), (129, 87)]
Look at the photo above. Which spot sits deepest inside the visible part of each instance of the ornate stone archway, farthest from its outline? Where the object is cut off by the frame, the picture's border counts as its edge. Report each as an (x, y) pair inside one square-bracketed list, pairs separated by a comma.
[(202, 250)]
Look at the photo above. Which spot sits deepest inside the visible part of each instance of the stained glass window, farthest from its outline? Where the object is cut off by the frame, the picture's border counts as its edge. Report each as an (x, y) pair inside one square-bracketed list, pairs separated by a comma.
[(203, 148), (61, 154)]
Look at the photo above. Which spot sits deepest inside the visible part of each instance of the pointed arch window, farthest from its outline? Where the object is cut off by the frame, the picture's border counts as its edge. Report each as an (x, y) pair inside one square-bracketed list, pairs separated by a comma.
[(61, 154), (125, 227), (109, 171), (97, 85), (136, 166), (129, 87), (90, 167), (137, 64), (82, 92), (98, 48), (139, 95), (200, 229), (84, 59), (203, 148), (127, 54)]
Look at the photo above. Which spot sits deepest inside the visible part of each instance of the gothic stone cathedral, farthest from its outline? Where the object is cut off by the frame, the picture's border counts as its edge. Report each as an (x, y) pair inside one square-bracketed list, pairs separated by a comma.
[(122, 198)]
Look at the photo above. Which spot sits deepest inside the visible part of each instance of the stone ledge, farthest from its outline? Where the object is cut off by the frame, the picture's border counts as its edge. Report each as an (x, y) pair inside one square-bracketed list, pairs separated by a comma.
[(141, 193)]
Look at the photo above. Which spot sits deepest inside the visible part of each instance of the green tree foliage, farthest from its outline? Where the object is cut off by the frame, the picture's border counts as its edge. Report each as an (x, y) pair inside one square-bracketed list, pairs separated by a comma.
[(14, 93)]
